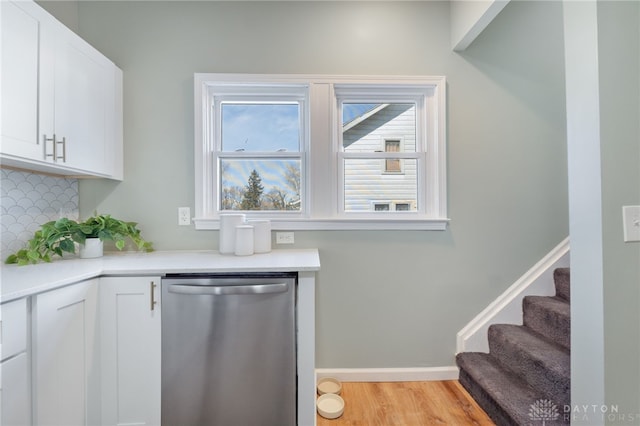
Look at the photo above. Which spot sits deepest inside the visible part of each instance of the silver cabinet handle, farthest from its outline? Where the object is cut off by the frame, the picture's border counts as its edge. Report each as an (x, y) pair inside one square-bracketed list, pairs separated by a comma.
[(228, 289), (153, 295), (54, 147), (54, 143), (63, 142)]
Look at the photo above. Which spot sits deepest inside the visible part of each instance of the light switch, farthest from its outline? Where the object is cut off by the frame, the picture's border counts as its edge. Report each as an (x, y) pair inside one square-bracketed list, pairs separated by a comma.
[(631, 223)]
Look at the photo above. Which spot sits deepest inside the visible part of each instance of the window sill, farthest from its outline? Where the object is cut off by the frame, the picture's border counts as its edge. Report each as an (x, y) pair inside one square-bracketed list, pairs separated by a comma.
[(341, 224)]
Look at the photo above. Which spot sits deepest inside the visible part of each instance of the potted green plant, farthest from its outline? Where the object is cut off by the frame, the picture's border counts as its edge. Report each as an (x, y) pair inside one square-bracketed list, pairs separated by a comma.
[(60, 236)]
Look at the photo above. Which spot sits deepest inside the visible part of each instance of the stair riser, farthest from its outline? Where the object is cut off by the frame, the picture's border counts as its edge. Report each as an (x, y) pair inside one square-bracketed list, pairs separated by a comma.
[(498, 414), (562, 278), (554, 383), (553, 326), (485, 401)]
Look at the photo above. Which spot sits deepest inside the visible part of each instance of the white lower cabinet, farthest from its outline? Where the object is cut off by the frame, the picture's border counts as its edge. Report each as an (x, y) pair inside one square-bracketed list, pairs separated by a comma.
[(96, 356), (15, 389), (66, 356), (16, 400), (131, 345)]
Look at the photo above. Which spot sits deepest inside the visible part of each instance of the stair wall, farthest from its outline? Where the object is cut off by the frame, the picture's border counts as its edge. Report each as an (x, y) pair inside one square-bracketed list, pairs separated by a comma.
[(507, 308)]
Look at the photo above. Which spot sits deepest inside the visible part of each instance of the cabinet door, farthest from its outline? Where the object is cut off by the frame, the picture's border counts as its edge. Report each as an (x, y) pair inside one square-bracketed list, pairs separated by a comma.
[(27, 49), (66, 370), (14, 391), (84, 81), (13, 328), (61, 99), (130, 338)]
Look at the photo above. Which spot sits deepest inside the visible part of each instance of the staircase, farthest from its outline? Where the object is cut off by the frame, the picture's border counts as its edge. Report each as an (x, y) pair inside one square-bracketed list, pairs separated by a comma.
[(525, 377)]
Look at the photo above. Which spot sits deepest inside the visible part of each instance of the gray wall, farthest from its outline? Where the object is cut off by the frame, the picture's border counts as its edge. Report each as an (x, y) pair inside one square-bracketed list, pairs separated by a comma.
[(384, 299), (619, 62), (64, 11)]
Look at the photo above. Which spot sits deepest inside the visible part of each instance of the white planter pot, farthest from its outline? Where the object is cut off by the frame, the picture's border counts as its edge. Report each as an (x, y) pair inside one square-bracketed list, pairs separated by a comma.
[(91, 248)]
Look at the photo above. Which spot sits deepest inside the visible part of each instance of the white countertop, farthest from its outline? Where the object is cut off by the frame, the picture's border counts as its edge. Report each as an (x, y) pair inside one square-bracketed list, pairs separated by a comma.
[(20, 281)]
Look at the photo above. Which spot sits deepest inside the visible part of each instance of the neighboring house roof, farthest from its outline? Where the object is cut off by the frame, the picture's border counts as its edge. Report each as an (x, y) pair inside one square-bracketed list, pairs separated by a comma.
[(359, 119)]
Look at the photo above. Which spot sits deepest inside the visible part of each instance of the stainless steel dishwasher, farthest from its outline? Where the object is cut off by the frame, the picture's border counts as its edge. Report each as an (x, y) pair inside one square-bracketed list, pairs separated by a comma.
[(228, 350)]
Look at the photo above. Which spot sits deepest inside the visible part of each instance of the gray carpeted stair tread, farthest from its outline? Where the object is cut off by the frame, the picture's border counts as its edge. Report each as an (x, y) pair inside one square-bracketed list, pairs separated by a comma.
[(525, 378), (562, 281), (506, 398), (549, 316), (540, 362)]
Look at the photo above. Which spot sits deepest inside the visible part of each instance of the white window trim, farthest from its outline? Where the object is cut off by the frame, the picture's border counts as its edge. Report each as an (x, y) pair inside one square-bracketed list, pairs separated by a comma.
[(321, 156)]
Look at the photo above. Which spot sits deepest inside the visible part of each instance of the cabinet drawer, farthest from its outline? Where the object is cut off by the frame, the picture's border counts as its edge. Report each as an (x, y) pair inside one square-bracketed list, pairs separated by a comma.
[(15, 399), (13, 328)]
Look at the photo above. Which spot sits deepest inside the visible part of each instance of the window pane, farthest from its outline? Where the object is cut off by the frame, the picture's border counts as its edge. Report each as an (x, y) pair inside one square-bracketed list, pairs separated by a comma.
[(392, 165), (260, 184), (260, 127), (365, 186), (365, 127)]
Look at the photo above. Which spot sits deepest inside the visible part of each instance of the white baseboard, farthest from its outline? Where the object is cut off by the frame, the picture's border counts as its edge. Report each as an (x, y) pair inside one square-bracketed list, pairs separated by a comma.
[(507, 308), (389, 374)]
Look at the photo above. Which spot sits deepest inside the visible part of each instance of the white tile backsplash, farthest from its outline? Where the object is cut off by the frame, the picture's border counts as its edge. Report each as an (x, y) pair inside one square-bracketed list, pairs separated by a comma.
[(27, 201)]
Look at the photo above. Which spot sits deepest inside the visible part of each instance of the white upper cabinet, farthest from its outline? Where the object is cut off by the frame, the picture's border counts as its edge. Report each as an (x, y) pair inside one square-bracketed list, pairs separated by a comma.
[(84, 93), (22, 58), (62, 99)]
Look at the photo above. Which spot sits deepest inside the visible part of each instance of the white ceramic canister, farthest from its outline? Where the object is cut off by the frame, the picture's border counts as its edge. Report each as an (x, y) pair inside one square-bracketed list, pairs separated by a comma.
[(92, 247), (261, 235), (228, 223), (244, 240)]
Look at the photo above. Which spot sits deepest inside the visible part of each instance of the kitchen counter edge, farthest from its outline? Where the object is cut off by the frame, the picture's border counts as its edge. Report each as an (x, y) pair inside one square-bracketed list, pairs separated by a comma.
[(22, 281)]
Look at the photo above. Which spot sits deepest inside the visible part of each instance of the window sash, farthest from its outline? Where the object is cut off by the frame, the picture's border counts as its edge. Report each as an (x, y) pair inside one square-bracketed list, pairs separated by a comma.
[(220, 106), (255, 94), (421, 199)]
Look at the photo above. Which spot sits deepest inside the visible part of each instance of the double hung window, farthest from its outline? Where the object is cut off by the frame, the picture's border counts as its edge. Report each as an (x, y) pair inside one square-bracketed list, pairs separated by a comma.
[(258, 153), (321, 152)]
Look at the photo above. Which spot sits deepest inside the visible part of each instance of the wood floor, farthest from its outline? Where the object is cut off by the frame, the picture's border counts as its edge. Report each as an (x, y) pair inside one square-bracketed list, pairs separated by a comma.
[(408, 404)]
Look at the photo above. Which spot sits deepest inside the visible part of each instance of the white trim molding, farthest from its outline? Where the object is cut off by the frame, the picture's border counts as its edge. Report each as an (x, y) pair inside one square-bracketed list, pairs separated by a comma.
[(339, 225), (417, 374), (507, 308), (321, 153)]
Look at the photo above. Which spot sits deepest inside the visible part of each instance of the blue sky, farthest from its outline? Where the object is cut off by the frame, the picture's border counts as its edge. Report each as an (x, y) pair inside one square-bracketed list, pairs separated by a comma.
[(260, 127), (351, 111), (271, 172)]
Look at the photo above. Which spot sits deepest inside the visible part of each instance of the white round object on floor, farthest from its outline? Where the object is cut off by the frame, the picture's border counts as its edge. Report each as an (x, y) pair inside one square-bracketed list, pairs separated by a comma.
[(330, 406), (329, 385)]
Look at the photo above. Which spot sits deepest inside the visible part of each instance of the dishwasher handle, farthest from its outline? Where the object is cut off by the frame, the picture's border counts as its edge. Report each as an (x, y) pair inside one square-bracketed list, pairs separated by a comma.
[(223, 290)]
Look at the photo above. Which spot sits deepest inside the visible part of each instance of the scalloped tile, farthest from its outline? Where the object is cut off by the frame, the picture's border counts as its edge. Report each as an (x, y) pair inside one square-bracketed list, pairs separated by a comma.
[(28, 200)]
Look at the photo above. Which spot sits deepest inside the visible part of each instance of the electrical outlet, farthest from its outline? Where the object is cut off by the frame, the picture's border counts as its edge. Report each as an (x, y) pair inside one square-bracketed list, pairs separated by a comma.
[(284, 238), (184, 216), (631, 223)]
